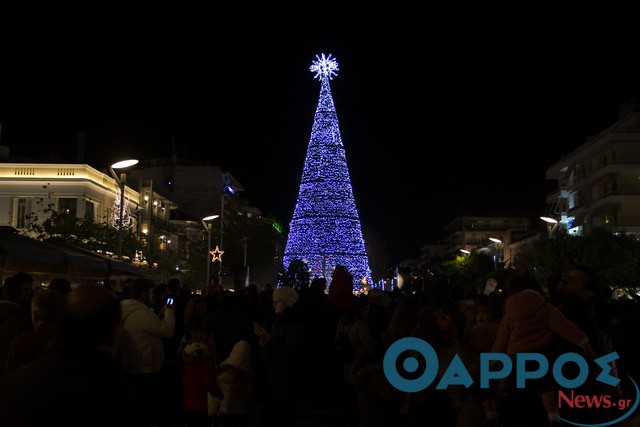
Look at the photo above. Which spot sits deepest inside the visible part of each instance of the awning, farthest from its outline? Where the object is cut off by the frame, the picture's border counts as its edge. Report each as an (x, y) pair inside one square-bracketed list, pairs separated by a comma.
[(85, 263), (21, 253), (81, 264), (55, 257)]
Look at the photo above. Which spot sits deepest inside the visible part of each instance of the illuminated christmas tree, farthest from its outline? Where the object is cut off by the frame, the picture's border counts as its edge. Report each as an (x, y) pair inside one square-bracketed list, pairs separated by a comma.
[(325, 230), (114, 220)]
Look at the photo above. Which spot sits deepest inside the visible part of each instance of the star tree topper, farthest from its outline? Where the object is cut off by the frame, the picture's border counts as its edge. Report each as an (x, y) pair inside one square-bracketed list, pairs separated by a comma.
[(324, 67), (216, 255)]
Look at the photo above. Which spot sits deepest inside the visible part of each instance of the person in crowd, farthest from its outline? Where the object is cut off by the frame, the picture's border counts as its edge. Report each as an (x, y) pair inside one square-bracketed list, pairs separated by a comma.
[(379, 403), (194, 315), (141, 348), (463, 406), (579, 296), (357, 354), (377, 315), (320, 318), (180, 299), (283, 356), (158, 297), (466, 314), (531, 324), (61, 285), (201, 394), (79, 382), (404, 317), (172, 366), (484, 332), (341, 289), (15, 319), (46, 306), (229, 323), (27, 288), (235, 379)]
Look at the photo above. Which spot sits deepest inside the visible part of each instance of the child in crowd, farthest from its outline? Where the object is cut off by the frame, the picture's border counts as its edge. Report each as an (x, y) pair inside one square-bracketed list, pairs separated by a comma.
[(235, 379), (530, 324), (200, 389)]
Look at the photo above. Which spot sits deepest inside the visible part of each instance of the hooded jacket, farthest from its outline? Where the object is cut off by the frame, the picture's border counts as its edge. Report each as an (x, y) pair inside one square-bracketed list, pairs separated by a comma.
[(530, 323), (141, 349)]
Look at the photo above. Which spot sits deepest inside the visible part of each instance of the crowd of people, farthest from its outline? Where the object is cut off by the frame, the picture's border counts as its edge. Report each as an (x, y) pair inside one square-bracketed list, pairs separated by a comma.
[(156, 354)]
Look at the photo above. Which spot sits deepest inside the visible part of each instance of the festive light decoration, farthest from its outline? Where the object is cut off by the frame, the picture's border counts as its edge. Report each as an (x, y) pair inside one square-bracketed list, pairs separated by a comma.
[(216, 255), (127, 221), (325, 230)]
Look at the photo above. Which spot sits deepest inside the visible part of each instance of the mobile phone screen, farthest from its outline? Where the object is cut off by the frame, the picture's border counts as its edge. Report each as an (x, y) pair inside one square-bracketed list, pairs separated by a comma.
[(170, 301)]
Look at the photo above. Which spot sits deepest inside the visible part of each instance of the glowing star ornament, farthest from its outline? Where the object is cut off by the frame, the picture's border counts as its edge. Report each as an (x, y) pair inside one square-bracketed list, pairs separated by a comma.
[(324, 67), (216, 255)]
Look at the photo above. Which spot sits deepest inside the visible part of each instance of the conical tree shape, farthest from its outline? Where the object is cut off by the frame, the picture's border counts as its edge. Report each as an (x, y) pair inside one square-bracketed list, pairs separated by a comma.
[(325, 230)]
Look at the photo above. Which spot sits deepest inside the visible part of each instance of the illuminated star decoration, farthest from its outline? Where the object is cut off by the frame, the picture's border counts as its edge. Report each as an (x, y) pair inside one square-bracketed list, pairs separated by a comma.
[(324, 67), (216, 255)]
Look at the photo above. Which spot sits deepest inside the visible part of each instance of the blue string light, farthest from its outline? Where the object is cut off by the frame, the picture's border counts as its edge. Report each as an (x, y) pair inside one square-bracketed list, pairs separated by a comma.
[(325, 230)]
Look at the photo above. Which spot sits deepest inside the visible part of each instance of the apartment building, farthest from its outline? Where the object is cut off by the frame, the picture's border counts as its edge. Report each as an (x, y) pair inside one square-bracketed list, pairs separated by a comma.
[(599, 182)]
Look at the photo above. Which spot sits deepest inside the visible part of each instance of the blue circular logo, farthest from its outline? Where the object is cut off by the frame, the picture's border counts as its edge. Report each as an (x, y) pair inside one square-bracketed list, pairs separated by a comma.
[(410, 364)]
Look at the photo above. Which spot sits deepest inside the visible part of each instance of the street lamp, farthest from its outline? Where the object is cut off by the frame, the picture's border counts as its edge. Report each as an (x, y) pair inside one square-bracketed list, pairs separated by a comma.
[(226, 189), (552, 224), (244, 244), (495, 253), (207, 226), (122, 180)]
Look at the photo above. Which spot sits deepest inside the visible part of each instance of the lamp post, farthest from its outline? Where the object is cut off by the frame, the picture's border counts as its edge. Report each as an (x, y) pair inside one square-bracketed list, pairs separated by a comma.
[(495, 253), (122, 180), (552, 224), (244, 244), (207, 226), (226, 188)]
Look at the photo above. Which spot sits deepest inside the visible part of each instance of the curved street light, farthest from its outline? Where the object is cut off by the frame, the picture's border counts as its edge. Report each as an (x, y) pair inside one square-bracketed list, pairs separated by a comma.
[(552, 225), (122, 180)]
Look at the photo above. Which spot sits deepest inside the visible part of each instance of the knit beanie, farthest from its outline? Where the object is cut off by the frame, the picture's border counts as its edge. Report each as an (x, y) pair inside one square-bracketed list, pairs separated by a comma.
[(286, 294)]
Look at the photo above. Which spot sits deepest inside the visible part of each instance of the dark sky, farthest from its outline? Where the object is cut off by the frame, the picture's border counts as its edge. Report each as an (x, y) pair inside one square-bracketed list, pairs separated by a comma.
[(439, 115)]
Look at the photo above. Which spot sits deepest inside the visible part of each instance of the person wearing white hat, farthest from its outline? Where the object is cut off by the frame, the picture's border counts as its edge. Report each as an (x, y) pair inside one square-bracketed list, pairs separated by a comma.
[(235, 379)]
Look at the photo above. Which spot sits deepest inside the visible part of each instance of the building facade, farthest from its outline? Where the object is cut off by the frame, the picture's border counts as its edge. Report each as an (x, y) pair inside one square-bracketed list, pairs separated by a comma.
[(29, 190), (599, 182), (492, 235)]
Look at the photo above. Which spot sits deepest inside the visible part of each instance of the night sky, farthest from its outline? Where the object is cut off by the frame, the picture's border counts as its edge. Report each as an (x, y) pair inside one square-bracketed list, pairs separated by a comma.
[(437, 120)]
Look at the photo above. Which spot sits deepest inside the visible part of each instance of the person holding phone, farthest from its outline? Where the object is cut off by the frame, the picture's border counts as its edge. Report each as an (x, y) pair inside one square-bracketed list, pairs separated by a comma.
[(141, 347)]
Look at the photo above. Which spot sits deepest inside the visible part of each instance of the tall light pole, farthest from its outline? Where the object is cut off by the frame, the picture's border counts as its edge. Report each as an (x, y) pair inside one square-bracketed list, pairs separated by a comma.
[(207, 226), (244, 244), (122, 181), (497, 243), (226, 188), (552, 225)]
